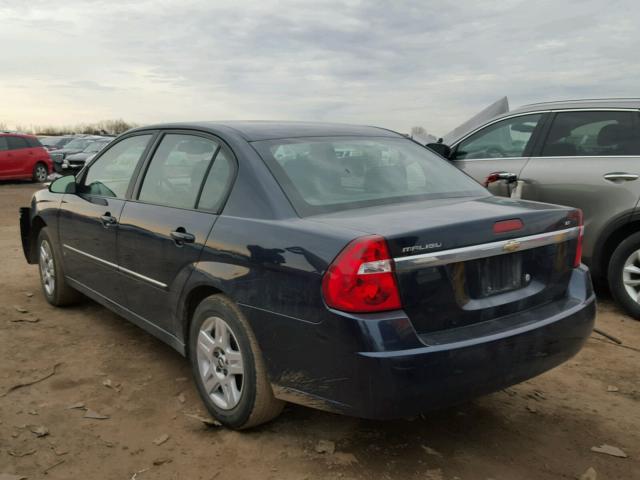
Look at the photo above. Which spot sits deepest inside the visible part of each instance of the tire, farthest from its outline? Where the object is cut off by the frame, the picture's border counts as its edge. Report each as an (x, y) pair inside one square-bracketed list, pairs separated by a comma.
[(621, 275), (54, 285), (214, 361), (40, 172)]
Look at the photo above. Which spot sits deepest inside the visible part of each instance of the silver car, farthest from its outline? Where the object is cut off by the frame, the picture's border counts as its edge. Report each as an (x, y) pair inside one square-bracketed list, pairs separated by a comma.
[(582, 153)]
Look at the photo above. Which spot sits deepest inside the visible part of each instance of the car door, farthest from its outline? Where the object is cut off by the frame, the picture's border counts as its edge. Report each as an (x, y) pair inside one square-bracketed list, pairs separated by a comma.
[(17, 157), (164, 228), (590, 160), (5, 166), (88, 219), (500, 146)]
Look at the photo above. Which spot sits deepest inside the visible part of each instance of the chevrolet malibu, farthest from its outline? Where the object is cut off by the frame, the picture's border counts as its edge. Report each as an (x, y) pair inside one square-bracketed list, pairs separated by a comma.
[(380, 282)]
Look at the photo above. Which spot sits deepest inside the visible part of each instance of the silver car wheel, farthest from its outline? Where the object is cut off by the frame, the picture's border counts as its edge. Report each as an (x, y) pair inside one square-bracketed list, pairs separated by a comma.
[(41, 173), (220, 363), (47, 268), (631, 275)]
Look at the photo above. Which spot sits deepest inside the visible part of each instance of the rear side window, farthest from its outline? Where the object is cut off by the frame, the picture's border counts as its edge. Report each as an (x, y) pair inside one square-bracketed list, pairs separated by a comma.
[(508, 138), (217, 182), (109, 175), (586, 134), (338, 173), (16, 143), (177, 169), (33, 142), (3, 144)]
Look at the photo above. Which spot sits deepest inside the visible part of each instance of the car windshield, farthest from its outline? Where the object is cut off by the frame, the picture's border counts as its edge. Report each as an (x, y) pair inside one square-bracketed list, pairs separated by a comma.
[(51, 141), (339, 173), (77, 144), (95, 147)]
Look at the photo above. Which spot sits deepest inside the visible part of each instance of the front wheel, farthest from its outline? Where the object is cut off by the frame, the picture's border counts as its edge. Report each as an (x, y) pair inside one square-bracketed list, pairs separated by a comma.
[(624, 275), (54, 286), (228, 367), (40, 173)]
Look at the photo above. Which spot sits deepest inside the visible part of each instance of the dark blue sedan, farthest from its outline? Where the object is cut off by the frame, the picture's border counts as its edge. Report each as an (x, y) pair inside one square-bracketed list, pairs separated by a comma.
[(340, 267)]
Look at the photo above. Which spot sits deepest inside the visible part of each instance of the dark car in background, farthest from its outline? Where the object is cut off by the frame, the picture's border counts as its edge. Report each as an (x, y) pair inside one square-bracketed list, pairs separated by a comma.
[(55, 142), (74, 162), (22, 157), (341, 267), (581, 153), (77, 145)]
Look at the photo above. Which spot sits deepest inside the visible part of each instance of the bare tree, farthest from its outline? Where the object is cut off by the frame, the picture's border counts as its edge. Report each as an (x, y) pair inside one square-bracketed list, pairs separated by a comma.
[(418, 132), (104, 127)]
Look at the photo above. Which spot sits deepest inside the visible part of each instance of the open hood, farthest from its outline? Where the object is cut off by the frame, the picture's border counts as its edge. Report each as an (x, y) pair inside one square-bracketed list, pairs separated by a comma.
[(493, 110)]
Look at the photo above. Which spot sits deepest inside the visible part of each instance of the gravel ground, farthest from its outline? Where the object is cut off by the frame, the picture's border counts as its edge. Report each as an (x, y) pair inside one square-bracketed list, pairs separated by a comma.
[(542, 429)]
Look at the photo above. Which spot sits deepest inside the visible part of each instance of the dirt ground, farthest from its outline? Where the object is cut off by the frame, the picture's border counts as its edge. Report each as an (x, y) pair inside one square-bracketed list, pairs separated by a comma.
[(542, 429)]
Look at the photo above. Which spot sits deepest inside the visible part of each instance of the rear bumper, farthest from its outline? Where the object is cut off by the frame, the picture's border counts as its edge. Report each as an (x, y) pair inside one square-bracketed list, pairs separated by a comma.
[(443, 370), (25, 232), (411, 382)]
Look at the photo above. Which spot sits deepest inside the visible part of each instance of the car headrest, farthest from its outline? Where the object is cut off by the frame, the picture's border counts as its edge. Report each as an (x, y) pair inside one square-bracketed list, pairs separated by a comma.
[(386, 179), (614, 134), (558, 132)]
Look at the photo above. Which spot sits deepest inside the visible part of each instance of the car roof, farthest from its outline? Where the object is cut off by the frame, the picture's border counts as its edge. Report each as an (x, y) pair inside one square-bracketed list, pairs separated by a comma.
[(255, 130), (16, 134), (587, 103), (580, 104)]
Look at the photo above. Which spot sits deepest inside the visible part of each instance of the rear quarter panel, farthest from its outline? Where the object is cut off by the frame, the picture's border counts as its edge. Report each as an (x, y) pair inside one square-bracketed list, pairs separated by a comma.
[(578, 182)]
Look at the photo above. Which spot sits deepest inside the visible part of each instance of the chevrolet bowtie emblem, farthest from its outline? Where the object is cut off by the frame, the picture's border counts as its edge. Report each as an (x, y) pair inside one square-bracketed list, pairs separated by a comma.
[(511, 246)]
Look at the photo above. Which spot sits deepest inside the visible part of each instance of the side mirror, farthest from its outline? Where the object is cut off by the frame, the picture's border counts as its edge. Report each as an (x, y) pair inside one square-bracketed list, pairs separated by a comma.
[(440, 148), (66, 184)]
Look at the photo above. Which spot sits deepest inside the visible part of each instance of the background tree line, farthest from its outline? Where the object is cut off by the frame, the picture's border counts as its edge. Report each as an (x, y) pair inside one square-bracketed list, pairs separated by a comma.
[(110, 127)]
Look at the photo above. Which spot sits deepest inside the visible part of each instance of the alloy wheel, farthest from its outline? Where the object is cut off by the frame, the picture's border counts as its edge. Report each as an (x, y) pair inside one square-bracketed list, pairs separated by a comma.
[(631, 276), (220, 363), (41, 173), (47, 268)]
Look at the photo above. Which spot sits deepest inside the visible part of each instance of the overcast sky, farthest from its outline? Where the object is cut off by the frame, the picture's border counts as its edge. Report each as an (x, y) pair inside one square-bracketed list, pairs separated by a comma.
[(394, 64)]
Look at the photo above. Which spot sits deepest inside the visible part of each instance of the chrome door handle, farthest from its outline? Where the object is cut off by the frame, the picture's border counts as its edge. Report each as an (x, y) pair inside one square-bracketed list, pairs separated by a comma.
[(108, 220), (180, 236), (621, 177)]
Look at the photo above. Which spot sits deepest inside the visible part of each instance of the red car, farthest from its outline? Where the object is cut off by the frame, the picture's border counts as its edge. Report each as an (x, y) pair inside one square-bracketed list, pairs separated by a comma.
[(23, 157)]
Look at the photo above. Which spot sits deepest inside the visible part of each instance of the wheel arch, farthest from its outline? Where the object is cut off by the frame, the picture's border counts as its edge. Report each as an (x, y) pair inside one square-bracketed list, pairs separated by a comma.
[(37, 224), (191, 299), (617, 230)]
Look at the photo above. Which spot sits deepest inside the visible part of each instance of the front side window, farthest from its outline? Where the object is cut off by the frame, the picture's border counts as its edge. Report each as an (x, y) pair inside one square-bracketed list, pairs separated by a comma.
[(505, 139), (109, 176), (332, 174), (177, 170), (3, 144), (597, 133), (16, 143)]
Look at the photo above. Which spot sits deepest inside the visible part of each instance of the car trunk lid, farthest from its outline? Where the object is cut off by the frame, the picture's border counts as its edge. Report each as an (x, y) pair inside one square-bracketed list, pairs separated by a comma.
[(455, 268)]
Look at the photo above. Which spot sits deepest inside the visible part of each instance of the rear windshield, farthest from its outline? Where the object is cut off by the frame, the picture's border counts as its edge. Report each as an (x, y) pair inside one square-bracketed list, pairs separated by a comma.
[(77, 144), (51, 141), (322, 175)]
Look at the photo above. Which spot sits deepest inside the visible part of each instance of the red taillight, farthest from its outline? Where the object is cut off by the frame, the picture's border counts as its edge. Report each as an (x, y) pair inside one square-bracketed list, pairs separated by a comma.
[(504, 226), (577, 216), (361, 278)]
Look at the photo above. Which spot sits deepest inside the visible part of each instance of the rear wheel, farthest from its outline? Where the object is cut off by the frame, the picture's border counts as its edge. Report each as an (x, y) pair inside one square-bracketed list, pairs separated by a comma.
[(624, 275), (40, 172), (54, 286), (228, 366)]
